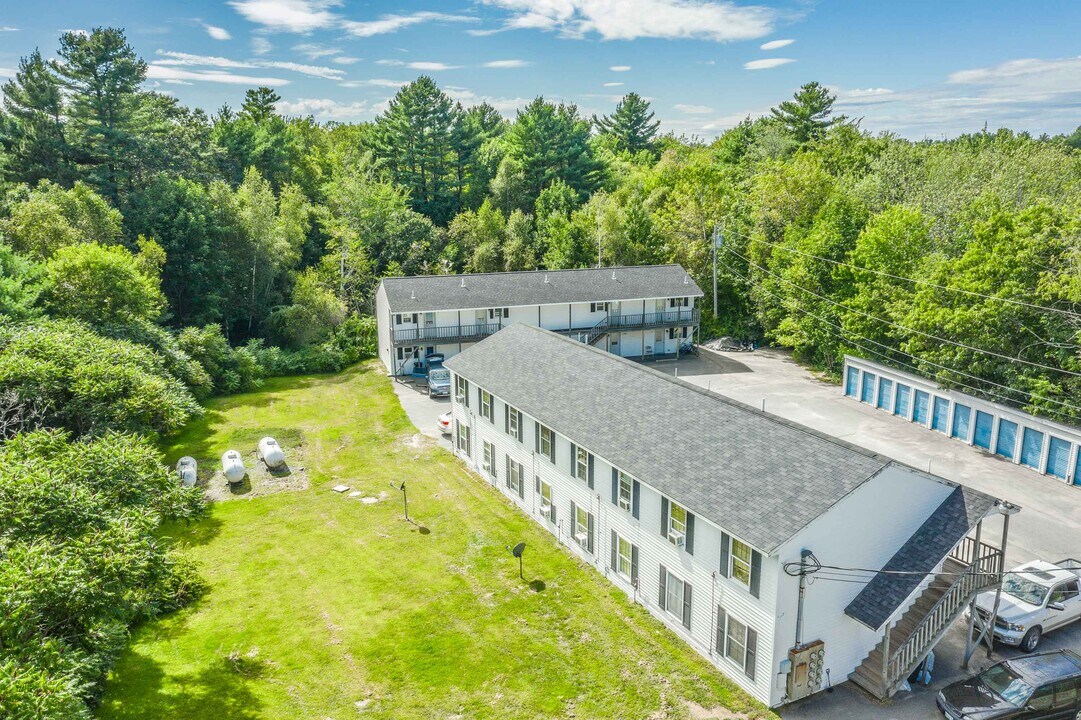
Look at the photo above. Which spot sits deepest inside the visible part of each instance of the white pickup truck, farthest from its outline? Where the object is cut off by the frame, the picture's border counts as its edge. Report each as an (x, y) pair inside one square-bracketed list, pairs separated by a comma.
[(1036, 598)]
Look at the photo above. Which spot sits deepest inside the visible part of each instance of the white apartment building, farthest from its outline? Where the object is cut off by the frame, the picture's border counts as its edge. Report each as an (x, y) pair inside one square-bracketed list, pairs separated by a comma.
[(640, 312), (701, 509)]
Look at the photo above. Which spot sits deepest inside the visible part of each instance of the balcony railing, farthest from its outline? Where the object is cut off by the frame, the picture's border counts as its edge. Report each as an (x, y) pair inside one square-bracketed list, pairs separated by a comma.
[(446, 333), (641, 321)]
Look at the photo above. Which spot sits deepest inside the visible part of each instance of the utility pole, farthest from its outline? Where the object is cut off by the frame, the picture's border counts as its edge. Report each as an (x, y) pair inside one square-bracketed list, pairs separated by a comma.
[(718, 240)]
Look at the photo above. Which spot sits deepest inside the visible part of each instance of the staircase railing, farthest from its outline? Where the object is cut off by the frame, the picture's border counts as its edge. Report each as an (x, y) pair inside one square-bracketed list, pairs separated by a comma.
[(981, 571), (591, 335)]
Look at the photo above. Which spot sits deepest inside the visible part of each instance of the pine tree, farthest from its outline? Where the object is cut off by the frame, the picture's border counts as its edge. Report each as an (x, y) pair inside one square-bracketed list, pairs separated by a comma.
[(550, 142), (631, 125), (102, 74), (35, 134), (260, 103), (807, 115)]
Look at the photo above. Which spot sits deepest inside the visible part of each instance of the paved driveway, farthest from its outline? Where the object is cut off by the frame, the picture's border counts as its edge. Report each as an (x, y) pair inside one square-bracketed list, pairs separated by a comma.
[(1049, 525)]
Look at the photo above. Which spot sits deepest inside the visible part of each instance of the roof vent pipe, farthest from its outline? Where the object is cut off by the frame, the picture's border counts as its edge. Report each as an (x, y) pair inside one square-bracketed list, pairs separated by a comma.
[(613, 274), (412, 294), (546, 278), (686, 279), (463, 282)]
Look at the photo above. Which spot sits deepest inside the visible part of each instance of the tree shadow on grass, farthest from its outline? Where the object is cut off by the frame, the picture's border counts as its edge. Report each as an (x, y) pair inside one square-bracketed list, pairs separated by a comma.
[(218, 692)]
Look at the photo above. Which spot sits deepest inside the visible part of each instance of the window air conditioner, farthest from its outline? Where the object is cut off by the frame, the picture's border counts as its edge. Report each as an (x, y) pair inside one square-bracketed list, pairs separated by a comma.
[(678, 538), (582, 537), (546, 511)]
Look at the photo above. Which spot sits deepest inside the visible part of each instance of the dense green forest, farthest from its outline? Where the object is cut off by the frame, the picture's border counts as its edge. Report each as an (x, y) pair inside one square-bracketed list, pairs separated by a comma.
[(153, 255)]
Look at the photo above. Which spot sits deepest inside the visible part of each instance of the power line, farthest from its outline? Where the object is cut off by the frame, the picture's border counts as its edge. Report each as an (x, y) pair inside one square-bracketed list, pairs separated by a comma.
[(891, 360), (1010, 301), (902, 327)]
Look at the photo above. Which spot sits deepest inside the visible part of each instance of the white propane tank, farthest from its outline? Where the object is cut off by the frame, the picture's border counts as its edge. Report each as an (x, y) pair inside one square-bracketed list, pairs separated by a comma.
[(187, 471), (232, 464), (271, 452)]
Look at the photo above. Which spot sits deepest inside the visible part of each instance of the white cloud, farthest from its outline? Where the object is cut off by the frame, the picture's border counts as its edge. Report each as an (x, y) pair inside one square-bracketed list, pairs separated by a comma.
[(776, 44), (717, 20), (693, 109), (8, 28), (374, 82), (505, 106), (325, 109), (218, 33), (298, 16), (260, 45), (767, 63), (182, 59), (7, 72), (314, 51), (394, 23), (508, 64), (620, 68), (613, 84), (345, 60), (166, 74), (77, 31), (422, 66)]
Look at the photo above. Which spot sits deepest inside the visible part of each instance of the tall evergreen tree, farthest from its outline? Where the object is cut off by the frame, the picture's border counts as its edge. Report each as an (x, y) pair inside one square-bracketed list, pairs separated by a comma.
[(631, 126), (807, 115), (551, 142), (35, 136), (102, 74), (260, 103)]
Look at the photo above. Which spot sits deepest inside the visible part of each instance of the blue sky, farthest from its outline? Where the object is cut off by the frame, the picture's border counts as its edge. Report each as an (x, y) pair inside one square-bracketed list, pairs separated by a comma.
[(914, 67)]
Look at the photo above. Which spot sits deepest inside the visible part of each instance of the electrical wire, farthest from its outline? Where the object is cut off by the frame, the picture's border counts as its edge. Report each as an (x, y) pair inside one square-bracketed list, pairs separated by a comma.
[(846, 336), (1010, 301), (902, 327)]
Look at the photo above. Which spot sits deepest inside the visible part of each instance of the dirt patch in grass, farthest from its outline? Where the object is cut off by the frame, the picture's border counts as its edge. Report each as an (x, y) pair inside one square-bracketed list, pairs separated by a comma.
[(697, 712), (260, 480)]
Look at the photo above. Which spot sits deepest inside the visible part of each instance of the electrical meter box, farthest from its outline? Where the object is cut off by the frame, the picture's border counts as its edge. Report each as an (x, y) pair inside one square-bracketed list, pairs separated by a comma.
[(806, 670)]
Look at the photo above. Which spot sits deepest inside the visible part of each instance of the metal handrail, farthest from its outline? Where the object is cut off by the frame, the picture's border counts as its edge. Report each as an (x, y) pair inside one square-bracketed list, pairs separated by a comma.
[(445, 332), (655, 318), (979, 573)]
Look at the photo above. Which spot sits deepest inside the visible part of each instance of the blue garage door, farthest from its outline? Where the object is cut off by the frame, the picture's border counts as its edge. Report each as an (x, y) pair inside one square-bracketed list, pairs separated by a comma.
[(941, 417), (1031, 448), (982, 436), (885, 393), (852, 382), (962, 417), (1058, 457), (923, 407), (904, 393), (868, 392), (1007, 438)]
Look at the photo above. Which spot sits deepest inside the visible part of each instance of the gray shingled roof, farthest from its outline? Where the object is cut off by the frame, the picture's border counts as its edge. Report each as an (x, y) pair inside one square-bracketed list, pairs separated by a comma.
[(950, 522), (428, 293), (755, 475)]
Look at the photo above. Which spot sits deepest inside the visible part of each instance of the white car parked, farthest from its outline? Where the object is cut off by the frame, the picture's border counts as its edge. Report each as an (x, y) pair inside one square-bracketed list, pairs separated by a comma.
[(1036, 598), (444, 423)]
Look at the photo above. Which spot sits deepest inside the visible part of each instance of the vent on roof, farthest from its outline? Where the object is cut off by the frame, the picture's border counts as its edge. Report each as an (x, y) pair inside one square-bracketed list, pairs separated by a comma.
[(463, 282), (545, 278), (613, 274), (412, 294), (686, 279)]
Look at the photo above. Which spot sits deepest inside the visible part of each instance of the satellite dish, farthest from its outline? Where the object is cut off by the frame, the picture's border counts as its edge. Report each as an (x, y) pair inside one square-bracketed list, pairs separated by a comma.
[(518, 550)]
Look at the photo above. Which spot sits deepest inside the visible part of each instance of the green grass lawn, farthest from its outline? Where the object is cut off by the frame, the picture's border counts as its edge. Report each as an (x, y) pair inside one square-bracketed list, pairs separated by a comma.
[(318, 602)]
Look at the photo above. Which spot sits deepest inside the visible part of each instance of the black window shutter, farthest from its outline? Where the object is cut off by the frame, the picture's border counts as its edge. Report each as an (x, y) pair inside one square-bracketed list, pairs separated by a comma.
[(465, 393), (634, 565), (636, 493), (589, 531), (506, 312), (664, 517), (574, 521), (725, 542), (589, 472), (661, 592), (536, 484), (521, 482), (722, 616), (574, 461), (615, 486), (615, 542), (536, 434), (752, 653), (690, 534), (756, 572), (491, 313), (506, 419), (521, 430), (508, 471), (552, 512), (687, 605)]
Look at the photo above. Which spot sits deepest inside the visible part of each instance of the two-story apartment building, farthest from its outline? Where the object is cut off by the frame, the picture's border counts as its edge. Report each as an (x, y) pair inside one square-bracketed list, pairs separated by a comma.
[(641, 312), (702, 509)]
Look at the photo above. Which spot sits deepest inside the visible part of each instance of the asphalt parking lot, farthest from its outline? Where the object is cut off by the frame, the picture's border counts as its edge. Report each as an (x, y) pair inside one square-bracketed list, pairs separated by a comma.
[(1048, 527)]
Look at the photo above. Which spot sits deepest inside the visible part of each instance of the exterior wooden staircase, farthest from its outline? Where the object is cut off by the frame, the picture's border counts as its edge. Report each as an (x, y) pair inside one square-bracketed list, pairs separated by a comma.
[(908, 640)]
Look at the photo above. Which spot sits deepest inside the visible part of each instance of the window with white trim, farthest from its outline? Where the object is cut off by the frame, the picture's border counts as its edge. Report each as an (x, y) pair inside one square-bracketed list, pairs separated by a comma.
[(737, 642), (673, 595), (598, 307), (545, 491), (461, 389), (581, 464), (498, 313), (486, 405), (514, 423), (463, 437), (489, 458), (741, 562), (581, 526), (548, 443), (626, 490), (678, 302), (677, 522), (514, 476), (624, 550)]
